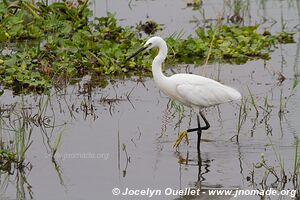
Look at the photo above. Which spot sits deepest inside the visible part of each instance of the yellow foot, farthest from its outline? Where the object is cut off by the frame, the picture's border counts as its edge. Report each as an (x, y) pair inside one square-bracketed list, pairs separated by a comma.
[(180, 137)]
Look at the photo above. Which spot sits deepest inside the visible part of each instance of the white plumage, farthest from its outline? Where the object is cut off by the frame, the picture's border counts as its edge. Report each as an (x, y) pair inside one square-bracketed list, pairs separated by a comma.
[(202, 92), (190, 89)]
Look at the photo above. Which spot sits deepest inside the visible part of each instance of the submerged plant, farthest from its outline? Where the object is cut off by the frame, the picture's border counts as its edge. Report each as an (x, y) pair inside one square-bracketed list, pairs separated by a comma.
[(195, 4), (149, 27), (12, 155), (276, 176), (7, 158), (296, 173)]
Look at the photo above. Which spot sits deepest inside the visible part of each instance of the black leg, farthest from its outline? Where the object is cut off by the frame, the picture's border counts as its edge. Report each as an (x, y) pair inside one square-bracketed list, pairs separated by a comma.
[(199, 132), (200, 178), (199, 129), (207, 125)]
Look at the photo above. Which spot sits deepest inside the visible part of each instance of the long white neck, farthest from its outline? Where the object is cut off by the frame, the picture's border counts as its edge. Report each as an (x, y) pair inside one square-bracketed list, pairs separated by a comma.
[(157, 62)]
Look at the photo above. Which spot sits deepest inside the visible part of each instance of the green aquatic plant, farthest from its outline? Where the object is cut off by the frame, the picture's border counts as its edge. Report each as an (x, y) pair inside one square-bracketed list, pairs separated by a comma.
[(253, 102), (15, 137), (295, 82), (65, 45), (231, 44), (277, 171), (43, 45), (149, 27), (57, 143), (7, 158), (177, 108), (195, 4), (296, 173), (12, 155)]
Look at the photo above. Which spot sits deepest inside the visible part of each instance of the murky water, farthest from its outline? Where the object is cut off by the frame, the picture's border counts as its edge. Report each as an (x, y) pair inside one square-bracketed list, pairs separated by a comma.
[(122, 136)]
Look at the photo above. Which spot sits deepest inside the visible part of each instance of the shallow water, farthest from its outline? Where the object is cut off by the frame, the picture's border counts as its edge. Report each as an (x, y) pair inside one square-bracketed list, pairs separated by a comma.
[(122, 136)]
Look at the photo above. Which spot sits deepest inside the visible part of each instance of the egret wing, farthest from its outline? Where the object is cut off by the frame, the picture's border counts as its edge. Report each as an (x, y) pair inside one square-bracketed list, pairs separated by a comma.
[(206, 94)]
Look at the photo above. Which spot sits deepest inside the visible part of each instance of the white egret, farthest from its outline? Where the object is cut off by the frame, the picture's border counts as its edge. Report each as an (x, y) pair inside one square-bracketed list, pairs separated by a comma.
[(191, 90)]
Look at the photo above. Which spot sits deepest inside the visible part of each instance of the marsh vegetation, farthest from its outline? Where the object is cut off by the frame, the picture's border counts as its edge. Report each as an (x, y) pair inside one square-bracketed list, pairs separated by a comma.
[(44, 45), (74, 114)]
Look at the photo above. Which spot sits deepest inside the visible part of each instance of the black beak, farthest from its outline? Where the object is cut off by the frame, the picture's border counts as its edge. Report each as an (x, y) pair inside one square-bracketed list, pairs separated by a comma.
[(138, 51)]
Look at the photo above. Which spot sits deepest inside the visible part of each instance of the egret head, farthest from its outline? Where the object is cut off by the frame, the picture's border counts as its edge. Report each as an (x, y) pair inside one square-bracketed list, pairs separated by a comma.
[(151, 43)]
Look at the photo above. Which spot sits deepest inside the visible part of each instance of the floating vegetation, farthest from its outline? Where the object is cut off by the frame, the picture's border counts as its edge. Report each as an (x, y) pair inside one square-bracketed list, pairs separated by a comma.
[(229, 44), (149, 27), (63, 45), (46, 45), (195, 4)]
